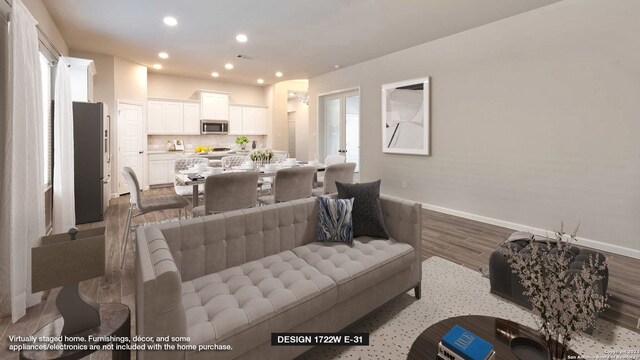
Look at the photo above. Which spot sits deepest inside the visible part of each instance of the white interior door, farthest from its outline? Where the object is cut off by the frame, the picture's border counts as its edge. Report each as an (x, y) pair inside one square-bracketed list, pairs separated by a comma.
[(130, 142), (340, 126)]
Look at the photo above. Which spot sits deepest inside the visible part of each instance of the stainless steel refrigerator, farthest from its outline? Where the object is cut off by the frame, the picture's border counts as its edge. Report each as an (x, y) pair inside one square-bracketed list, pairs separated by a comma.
[(91, 155)]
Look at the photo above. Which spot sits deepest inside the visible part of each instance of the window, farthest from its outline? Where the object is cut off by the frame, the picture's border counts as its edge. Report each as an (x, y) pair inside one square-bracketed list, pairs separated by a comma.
[(47, 97), (47, 71)]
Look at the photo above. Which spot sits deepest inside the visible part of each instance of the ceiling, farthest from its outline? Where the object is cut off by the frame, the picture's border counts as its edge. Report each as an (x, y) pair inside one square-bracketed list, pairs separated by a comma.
[(301, 38)]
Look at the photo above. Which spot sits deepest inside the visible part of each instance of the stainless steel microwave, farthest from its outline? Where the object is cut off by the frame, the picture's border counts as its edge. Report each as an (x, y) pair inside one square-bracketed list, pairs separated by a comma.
[(219, 127)]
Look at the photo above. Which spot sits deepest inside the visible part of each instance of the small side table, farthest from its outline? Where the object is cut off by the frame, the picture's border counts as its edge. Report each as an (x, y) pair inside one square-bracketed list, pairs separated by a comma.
[(115, 320)]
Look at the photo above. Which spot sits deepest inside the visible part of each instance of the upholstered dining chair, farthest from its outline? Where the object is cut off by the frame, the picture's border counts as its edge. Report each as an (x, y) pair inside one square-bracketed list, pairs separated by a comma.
[(233, 160), (290, 184), (337, 172), (145, 205), (229, 191), (184, 164), (328, 161)]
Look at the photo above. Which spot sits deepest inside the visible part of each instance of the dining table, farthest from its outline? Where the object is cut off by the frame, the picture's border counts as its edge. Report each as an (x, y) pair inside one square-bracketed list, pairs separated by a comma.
[(183, 179)]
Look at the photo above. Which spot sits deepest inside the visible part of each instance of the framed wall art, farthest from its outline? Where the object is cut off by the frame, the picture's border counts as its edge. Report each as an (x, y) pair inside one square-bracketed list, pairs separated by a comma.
[(405, 117)]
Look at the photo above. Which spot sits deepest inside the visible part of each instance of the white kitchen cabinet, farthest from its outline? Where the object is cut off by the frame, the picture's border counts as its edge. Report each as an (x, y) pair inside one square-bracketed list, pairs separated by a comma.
[(214, 106), (156, 117), (157, 172), (235, 120), (173, 118), (247, 120), (161, 168), (191, 119)]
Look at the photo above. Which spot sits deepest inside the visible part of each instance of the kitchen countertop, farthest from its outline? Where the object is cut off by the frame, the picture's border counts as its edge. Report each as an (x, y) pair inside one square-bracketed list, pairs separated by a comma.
[(164, 152), (191, 153)]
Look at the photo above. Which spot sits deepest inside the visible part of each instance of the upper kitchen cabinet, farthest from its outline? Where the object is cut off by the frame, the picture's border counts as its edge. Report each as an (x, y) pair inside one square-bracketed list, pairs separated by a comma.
[(175, 118), (247, 120), (235, 120), (214, 105), (156, 117), (166, 117), (191, 119)]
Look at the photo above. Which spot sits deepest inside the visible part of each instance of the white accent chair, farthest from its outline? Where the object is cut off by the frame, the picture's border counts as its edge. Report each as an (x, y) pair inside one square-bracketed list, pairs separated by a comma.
[(334, 159), (184, 164), (231, 161)]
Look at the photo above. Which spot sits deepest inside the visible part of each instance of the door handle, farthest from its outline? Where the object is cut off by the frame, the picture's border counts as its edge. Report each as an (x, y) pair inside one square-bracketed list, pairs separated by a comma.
[(140, 152)]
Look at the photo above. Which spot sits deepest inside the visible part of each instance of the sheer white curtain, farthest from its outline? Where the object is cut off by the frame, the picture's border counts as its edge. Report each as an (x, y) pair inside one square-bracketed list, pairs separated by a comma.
[(22, 188), (64, 214)]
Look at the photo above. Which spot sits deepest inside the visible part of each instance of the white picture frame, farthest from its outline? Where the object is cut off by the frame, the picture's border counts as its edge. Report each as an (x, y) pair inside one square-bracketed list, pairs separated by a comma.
[(178, 144), (406, 119)]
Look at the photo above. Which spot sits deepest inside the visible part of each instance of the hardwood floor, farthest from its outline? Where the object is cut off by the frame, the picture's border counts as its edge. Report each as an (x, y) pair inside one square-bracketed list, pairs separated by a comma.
[(460, 240), (470, 243)]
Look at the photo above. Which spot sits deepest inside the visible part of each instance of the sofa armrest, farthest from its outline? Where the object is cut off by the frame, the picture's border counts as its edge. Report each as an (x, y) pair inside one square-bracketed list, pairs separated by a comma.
[(403, 219), (159, 310)]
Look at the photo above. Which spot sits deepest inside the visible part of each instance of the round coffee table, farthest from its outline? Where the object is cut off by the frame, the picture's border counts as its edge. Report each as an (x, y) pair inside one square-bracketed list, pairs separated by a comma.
[(496, 331)]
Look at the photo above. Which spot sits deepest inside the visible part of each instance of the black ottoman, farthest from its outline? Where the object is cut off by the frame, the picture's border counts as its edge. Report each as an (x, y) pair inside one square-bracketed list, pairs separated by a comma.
[(506, 283)]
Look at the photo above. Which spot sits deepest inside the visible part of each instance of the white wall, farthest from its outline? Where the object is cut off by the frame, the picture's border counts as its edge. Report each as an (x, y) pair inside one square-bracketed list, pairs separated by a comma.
[(130, 80), (534, 120), (180, 87), (46, 24), (103, 81), (277, 96)]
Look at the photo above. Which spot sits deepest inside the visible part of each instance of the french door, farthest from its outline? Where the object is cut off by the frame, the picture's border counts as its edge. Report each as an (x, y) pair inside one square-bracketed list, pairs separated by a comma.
[(340, 126)]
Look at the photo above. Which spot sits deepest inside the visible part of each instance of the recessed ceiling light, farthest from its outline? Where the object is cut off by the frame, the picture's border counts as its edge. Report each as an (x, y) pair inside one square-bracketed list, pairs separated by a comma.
[(242, 38), (215, 74), (228, 66), (336, 66), (157, 66), (163, 55), (170, 21), (260, 81), (279, 74)]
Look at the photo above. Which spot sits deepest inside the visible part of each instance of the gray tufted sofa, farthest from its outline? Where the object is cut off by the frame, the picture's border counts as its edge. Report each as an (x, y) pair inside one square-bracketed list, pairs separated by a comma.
[(235, 278)]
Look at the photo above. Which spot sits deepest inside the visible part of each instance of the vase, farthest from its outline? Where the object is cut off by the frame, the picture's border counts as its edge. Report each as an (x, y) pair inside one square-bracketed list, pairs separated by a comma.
[(557, 350), (254, 144), (243, 146)]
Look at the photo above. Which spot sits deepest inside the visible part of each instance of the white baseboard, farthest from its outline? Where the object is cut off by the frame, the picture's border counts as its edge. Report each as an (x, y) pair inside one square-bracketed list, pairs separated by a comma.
[(594, 244)]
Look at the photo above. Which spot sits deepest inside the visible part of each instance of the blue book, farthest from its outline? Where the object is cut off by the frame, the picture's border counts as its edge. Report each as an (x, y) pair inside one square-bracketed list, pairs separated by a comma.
[(466, 344)]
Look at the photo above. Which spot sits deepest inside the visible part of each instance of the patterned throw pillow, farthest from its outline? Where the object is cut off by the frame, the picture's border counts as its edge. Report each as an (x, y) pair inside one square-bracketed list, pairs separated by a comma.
[(334, 220)]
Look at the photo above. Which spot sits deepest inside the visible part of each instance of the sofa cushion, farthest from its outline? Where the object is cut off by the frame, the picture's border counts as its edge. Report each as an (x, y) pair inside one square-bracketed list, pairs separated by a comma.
[(277, 288), (357, 267)]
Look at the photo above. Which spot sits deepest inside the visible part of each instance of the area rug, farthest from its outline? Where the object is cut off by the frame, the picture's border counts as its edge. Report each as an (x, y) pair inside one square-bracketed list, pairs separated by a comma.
[(450, 290)]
